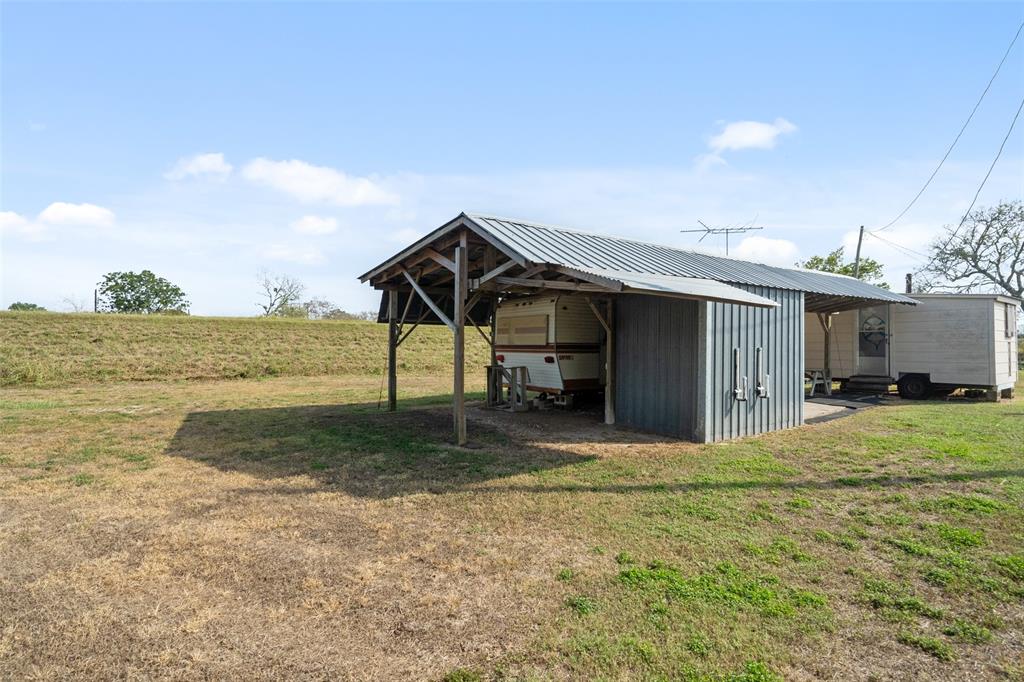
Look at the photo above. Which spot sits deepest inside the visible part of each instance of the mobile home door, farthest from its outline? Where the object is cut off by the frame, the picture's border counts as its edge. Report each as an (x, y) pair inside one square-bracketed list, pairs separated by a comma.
[(873, 341)]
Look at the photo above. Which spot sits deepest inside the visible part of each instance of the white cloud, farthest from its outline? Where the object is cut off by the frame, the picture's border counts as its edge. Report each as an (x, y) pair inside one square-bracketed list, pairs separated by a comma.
[(9, 220), (210, 165), (750, 135), (13, 223), (290, 253), (309, 183), (312, 224), (781, 252), (63, 213)]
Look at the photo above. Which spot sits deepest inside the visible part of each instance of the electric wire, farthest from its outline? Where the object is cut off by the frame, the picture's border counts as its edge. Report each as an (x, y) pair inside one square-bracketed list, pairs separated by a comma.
[(958, 135)]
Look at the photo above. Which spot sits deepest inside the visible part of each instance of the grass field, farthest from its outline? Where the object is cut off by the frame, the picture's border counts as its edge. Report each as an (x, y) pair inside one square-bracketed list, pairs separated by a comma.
[(285, 528), (53, 349)]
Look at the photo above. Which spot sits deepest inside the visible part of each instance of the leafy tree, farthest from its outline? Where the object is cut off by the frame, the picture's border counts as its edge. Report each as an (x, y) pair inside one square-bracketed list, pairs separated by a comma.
[(870, 269), (986, 252), (281, 292), (26, 307), (140, 292)]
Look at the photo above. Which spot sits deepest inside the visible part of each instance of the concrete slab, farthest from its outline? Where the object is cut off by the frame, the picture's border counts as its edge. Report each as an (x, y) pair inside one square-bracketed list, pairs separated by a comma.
[(815, 411)]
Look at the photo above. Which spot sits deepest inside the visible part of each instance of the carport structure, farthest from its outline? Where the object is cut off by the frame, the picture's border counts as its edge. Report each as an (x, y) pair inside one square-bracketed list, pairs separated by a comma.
[(712, 323)]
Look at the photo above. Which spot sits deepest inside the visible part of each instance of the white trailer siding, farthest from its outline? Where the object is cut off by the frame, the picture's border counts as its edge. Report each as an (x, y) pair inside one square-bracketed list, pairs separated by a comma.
[(564, 358), (954, 339), (517, 342), (1005, 332), (948, 338), (843, 345)]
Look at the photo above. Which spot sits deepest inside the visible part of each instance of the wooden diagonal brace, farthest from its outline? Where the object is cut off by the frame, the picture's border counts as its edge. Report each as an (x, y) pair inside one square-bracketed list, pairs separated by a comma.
[(426, 299), (438, 258)]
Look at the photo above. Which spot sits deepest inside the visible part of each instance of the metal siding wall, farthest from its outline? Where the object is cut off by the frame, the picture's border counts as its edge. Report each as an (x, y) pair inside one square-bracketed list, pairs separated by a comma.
[(657, 364), (779, 332)]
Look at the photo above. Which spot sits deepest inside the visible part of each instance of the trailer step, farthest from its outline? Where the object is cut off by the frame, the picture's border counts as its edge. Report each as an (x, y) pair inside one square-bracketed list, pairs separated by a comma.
[(868, 384)]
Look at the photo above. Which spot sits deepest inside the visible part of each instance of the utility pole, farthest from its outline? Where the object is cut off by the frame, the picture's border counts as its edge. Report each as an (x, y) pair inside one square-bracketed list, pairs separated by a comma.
[(856, 262)]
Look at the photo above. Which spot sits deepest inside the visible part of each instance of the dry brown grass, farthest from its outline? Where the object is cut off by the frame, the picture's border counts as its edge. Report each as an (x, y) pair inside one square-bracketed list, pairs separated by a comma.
[(54, 349), (287, 529)]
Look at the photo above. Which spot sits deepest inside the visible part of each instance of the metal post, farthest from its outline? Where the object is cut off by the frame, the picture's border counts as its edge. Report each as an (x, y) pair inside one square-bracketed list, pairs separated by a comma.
[(910, 283), (460, 286), (393, 349)]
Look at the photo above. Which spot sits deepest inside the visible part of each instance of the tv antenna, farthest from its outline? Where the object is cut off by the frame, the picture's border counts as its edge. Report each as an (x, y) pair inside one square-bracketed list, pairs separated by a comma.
[(732, 229)]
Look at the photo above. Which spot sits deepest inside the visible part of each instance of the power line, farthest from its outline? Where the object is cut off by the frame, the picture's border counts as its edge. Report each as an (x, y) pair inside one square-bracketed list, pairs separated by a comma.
[(958, 135), (991, 166), (916, 255), (984, 180)]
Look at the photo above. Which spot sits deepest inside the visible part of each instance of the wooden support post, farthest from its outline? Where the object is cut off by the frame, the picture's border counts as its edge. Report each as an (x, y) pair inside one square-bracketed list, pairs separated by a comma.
[(490, 255), (825, 319), (609, 384), (393, 350), (461, 292)]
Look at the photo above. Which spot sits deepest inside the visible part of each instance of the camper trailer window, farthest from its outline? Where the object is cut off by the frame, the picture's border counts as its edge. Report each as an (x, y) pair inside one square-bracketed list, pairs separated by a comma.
[(525, 330), (1010, 320)]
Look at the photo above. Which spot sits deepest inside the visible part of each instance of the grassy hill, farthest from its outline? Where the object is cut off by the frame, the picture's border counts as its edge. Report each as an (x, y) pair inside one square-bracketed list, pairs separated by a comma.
[(52, 349)]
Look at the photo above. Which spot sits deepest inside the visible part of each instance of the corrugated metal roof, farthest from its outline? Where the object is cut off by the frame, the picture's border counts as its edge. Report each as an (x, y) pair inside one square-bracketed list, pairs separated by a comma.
[(584, 250), (681, 287)]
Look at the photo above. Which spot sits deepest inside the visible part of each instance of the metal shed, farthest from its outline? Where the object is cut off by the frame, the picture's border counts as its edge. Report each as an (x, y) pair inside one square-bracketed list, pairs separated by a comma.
[(698, 346)]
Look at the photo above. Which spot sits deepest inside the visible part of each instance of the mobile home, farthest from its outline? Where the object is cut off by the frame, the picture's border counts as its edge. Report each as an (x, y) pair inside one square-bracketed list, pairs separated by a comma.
[(945, 342)]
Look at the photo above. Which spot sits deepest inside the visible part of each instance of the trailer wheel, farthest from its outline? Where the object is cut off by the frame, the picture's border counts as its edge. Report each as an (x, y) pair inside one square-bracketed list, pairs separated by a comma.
[(914, 387)]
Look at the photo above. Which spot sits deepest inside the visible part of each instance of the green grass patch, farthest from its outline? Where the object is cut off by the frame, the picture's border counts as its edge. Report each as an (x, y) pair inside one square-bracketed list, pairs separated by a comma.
[(930, 645), (968, 632), (959, 538), (1011, 565), (727, 586), (895, 601), (581, 604), (963, 504)]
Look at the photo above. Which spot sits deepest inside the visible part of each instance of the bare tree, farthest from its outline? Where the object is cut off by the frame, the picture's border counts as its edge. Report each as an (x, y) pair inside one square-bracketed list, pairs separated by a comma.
[(985, 252), (282, 292), (74, 304)]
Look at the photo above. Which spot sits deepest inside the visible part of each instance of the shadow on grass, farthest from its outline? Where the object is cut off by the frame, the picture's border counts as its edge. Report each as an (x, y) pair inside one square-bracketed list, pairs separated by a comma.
[(358, 448), (843, 483)]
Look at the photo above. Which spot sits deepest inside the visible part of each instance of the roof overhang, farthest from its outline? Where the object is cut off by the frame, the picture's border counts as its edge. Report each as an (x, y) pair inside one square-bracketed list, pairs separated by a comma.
[(460, 221), (672, 286), (524, 259)]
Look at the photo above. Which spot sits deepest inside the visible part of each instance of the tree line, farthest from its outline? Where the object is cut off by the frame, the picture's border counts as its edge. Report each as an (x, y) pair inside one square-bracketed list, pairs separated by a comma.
[(985, 253), (145, 293)]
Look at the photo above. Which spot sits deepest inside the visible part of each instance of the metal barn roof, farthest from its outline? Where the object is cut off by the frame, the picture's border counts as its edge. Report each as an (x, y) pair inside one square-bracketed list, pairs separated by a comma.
[(550, 244), (680, 287), (530, 246)]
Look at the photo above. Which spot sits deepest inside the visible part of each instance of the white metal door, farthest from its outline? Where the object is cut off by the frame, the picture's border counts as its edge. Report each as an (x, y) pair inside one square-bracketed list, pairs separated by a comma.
[(873, 341)]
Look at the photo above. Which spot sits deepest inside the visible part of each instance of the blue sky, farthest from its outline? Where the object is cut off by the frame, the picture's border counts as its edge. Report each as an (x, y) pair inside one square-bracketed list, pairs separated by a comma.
[(209, 141)]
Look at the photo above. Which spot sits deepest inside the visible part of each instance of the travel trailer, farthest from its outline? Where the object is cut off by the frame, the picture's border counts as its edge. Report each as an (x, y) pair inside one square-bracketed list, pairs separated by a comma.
[(556, 337), (945, 342)]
